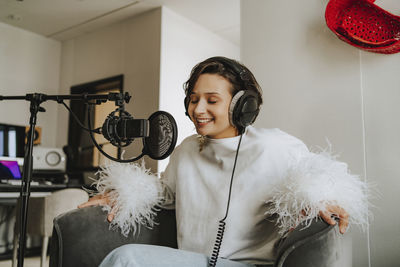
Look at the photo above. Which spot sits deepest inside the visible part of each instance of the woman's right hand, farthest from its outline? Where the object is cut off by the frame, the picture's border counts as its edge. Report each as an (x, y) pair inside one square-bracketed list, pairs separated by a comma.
[(100, 200)]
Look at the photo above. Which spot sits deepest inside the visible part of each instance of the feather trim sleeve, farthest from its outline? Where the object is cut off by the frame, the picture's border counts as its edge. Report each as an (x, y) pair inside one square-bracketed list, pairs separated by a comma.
[(134, 193), (313, 181)]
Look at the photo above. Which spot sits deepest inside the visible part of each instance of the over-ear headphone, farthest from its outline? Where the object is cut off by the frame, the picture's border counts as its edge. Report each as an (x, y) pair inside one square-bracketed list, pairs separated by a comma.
[(244, 106)]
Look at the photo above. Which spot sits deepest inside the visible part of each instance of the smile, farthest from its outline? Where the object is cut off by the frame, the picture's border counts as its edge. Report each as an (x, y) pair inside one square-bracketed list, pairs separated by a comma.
[(203, 120)]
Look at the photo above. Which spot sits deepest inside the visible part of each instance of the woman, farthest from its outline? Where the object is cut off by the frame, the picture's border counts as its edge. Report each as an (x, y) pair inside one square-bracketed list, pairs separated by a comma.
[(260, 182)]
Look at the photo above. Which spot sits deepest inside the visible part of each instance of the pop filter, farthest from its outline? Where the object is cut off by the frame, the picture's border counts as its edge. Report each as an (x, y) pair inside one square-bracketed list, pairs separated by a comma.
[(163, 134)]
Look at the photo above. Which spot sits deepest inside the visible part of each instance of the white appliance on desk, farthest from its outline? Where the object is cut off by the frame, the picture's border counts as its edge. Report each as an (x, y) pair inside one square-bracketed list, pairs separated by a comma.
[(48, 158), (44, 158), (47, 161)]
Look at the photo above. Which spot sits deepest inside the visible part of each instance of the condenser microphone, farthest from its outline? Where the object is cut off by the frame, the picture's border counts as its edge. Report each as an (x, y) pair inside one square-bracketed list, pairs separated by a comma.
[(123, 129), (159, 132)]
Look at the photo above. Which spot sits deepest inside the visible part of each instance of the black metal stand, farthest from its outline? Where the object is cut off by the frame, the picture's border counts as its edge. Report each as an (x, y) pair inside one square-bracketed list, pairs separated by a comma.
[(35, 101)]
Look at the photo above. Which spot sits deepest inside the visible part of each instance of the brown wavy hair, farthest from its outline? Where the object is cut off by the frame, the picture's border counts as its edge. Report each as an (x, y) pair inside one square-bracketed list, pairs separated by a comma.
[(239, 76)]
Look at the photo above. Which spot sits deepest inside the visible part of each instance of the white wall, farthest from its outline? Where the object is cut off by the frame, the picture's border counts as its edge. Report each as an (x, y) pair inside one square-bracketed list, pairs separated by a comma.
[(381, 86), (132, 48), (29, 63), (380, 82), (155, 51), (183, 45), (316, 87)]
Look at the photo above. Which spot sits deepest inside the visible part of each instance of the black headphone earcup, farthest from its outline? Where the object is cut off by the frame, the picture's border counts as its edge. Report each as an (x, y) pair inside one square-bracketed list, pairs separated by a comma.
[(245, 109), (248, 111)]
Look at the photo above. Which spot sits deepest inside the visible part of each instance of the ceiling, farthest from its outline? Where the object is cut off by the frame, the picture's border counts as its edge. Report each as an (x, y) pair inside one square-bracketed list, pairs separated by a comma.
[(65, 19)]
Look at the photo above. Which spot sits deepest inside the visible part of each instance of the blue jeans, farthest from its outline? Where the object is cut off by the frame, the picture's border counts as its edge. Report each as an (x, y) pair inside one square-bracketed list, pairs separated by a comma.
[(135, 255)]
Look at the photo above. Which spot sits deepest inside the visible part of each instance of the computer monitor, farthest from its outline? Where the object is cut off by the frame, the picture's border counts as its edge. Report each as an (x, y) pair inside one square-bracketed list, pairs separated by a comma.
[(12, 140)]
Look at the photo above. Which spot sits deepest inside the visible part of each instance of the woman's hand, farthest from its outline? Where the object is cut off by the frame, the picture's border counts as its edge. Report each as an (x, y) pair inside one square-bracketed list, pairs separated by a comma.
[(332, 212), (100, 200)]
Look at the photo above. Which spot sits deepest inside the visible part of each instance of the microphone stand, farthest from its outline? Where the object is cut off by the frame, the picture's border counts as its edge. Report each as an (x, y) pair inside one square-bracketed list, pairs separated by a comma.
[(35, 100)]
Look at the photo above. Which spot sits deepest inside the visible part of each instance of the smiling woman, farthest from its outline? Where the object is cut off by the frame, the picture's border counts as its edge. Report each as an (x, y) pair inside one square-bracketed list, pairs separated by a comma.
[(264, 181)]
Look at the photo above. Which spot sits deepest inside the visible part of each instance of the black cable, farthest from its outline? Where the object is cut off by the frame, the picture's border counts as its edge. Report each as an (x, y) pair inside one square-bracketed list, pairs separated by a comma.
[(76, 118), (97, 130), (222, 224)]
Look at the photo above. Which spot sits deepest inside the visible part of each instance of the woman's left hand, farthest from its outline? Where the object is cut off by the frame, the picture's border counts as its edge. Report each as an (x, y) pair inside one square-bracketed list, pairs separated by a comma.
[(332, 212)]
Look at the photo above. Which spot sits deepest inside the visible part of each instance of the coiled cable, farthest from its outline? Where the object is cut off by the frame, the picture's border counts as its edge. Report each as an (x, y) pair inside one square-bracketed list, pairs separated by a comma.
[(222, 223)]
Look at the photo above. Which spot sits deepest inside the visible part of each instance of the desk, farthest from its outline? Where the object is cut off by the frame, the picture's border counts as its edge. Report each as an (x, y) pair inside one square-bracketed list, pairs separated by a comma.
[(34, 188), (10, 193)]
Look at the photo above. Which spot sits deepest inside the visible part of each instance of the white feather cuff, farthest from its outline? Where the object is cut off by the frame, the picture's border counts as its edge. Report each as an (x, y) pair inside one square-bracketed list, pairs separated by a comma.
[(134, 192), (313, 182)]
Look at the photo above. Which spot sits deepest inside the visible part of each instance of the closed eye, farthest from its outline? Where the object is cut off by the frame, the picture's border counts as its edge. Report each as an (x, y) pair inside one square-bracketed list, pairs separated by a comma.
[(212, 100), (194, 99)]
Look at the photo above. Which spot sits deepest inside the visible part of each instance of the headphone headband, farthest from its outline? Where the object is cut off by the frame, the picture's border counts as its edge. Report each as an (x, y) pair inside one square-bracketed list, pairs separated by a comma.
[(234, 66)]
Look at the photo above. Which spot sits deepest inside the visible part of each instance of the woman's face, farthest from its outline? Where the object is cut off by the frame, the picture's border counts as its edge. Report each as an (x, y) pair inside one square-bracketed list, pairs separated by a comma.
[(209, 106)]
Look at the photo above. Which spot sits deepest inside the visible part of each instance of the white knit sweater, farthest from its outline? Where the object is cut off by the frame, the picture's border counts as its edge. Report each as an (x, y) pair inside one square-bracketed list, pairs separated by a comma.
[(276, 177), (200, 183)]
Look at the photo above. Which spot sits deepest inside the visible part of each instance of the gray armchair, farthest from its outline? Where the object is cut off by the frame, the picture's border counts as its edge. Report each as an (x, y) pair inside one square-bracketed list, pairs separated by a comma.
[(82, 238)]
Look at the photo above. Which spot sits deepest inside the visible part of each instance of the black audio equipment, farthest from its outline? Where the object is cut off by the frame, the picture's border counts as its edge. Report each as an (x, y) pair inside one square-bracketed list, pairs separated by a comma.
[(159, 133)]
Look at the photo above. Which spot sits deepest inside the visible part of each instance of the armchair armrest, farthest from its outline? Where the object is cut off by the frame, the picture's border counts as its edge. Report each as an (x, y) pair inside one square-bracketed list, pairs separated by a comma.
[(82, 237), (319, 245)]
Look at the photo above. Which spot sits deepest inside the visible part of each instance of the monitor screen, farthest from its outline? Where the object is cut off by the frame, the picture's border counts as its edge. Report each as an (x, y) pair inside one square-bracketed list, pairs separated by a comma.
[(12, 140), (9, 169)]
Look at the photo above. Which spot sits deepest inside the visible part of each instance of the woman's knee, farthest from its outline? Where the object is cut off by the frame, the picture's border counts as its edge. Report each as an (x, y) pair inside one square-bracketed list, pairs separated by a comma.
[(126, 255)]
